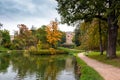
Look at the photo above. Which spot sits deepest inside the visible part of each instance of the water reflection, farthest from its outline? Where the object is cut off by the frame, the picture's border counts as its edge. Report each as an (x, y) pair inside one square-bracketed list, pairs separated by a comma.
[(56, 67)]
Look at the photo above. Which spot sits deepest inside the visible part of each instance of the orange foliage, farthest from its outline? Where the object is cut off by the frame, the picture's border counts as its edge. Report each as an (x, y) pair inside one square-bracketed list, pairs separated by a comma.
[(53, 34)]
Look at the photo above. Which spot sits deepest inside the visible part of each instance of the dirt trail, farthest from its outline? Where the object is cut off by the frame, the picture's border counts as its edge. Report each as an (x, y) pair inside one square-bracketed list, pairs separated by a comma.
[(108, 72)]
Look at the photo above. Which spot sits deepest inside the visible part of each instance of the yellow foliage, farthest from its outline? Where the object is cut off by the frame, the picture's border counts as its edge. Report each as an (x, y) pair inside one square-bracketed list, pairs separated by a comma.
[(53, 34), (52, 51)]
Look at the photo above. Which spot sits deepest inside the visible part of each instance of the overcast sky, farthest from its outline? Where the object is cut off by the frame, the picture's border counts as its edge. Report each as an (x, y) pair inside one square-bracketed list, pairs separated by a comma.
[(29, 12)]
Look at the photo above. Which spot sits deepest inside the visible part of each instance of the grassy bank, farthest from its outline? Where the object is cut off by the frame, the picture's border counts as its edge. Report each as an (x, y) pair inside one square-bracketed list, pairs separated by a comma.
[(3, 49), (70, 51), (104, 59), (87, 73), (50, 51)]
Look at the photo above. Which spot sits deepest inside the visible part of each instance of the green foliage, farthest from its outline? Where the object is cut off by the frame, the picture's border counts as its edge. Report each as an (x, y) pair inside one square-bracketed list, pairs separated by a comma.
[(63, 38), (70, 51), (26, 38), (4, 62), (39, 45), (5, 38), (48, 52), (32, 49), (72, 11), (40, 34), (77, 36), (89, 35), (3, 48), (45, 46), (68, 45)]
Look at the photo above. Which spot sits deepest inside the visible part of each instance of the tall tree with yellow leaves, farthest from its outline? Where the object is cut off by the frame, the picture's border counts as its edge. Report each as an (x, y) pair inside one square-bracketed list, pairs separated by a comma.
[(53, 34)]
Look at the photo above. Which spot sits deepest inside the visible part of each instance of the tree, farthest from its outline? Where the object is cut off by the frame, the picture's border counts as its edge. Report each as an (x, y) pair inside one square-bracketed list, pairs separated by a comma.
[(24, 38), (1, 25), (40, 34), (72, 11), (77, 36), (89, 35), (53, 34), (63, 37), (5, 38), (118, 39)]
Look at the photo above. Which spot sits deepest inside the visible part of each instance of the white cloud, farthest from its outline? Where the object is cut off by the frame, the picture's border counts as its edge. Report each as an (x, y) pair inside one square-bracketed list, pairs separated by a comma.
[(29, 12)]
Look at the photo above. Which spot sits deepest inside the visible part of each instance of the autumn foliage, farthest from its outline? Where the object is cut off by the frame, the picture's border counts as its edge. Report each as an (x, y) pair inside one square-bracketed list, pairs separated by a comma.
[(53, 34)]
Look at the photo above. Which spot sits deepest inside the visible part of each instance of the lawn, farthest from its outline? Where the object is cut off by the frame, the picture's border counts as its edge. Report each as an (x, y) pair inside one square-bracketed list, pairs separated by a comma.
[(102, 58), (3, 49)]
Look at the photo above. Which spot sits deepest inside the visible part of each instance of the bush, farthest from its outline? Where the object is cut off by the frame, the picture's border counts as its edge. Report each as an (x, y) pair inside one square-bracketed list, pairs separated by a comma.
[(32, 49), (68, 45), (45, 46), (39, 45), (50, 51)]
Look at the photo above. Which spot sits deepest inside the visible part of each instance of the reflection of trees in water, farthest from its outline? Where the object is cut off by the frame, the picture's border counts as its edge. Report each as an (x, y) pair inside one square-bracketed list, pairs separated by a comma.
[(4, 62), (77, 69), (44, 68), (40, 67)]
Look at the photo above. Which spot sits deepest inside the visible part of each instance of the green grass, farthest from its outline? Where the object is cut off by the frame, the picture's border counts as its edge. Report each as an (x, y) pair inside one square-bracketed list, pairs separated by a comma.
[(102, 58), (71, 51), (87, 73), (3, 49)]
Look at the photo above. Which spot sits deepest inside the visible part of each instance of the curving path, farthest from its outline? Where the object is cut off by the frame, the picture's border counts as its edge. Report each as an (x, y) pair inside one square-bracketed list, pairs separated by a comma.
[(108, 72)]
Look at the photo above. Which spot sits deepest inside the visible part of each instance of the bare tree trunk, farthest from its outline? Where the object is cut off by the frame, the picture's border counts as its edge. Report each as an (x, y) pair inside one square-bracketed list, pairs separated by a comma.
[(100, 38), (112, 31), (112, 35)]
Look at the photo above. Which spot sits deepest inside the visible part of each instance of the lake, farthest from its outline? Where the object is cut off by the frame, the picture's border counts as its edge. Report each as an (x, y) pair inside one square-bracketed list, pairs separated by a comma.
[(36, 67)]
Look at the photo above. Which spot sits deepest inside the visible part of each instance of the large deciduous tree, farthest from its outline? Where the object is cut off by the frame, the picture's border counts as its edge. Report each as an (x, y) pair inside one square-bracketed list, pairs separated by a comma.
[(72, 11), (24, 38)]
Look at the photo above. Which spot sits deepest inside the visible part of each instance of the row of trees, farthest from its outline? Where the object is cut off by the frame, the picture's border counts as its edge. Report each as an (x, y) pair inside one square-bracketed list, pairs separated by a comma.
[(74, 11), (44, 37), (87, 35)]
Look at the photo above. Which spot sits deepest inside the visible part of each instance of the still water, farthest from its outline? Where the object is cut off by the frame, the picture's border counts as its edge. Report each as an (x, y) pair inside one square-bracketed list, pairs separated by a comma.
[(31, 67)]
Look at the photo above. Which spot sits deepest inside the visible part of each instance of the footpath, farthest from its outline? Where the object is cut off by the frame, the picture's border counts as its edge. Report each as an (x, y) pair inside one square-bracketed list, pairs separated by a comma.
[(108, 72)]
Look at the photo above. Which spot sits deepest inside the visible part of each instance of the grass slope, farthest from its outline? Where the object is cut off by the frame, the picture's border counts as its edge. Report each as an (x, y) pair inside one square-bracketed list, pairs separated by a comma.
[(88, 73), (3, 49), (102, 58)]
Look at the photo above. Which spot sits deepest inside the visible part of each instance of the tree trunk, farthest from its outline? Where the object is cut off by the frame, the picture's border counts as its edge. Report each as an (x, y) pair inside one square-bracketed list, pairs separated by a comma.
[(100, 38), (112, 35)]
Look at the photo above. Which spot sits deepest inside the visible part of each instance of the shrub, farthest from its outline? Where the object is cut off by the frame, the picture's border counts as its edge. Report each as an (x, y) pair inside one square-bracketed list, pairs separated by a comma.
[(45, 46), (39, 45), (52, 51), (32, 49), (68, 45)]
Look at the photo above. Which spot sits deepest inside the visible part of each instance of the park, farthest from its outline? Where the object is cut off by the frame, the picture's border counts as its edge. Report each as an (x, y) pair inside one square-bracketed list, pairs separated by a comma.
[(35, 44)]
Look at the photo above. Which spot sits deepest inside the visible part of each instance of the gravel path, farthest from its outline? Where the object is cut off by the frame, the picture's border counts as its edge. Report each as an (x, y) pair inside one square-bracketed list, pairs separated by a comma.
[(108, 72)]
